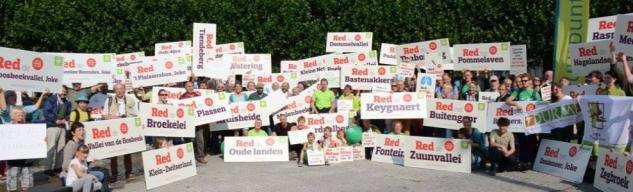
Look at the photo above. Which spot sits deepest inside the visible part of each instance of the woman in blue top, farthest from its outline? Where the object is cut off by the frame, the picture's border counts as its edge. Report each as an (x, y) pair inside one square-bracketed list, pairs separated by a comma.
[(238, 96)]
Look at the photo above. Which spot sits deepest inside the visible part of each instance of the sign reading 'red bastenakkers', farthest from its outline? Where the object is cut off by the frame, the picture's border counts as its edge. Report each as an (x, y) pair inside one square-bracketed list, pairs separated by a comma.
[(168, 165), (368, 77), (111, 138), (449, 114), (490, 56), (255, 149), (390, 148), (30, 71), (438, 154), (566, 160), (614, 172), (342, 42), (403, 105)]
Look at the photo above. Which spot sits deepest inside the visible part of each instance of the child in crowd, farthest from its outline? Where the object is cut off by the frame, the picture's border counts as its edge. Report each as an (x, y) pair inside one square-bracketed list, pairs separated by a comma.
[(502, 149), (340, 138), (311, 144), (78, 177), (328, 141)]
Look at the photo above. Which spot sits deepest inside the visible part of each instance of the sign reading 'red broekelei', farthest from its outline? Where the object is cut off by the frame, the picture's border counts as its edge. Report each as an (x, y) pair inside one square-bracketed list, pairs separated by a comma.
[(403, 105), (166, 120)]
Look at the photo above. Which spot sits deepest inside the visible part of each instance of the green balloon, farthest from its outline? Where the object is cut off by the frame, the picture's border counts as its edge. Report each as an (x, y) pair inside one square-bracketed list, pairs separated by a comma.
[(354, 134), (222, 147)]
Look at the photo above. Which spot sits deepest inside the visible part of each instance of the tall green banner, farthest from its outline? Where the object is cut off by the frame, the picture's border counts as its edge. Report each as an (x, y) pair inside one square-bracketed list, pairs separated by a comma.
[(571, 27)]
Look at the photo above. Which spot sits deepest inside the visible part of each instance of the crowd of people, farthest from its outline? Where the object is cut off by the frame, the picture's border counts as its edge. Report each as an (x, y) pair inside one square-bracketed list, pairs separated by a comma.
[(64, 112)]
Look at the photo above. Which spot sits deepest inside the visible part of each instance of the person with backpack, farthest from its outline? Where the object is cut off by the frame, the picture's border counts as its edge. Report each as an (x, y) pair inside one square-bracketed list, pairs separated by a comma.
[(80, 114), (120, 106)]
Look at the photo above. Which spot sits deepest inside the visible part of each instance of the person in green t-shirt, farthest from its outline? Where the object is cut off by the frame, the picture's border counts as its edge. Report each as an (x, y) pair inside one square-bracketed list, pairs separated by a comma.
[(323, 99), (257, 130), (612, 89)]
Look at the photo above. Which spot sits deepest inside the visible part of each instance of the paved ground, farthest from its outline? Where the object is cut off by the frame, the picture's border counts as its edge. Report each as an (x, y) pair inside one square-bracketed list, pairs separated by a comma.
[(352, 176)]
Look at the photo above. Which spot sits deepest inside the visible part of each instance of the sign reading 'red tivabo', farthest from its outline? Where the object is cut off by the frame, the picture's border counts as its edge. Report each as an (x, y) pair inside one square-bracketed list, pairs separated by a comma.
[(403, 105), (30, 71), (168, 165), (450, 114), (490, 56), (348, 42), (111, 138)]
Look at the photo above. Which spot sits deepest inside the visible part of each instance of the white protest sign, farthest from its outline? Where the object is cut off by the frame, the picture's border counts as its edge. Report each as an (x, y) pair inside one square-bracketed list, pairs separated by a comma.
[(416, 53), (229, 48), (299, 136), (310, 69), (346, 154), (331, 155), (388, 54), (573, 90), (255, 149), (315, 157), (87, 69), (22, 141), (425, 83), (30, 71), (613, 172), (449, 114), (490, 56), (402, 105), (111, 138), (367, 77), (547, 117), (174, 93), (160, 70), (244, 114), (209, 108), (178, 48), (358, 152), (297, 106), (168, 165), (601, 28), (566, 160), (124, 64), (518, 54), (624, 35), (204, 53), (348, 42), (247, 63), (546, 93), (166, 120), (588, 57), (344, 105), (497, 110), (488, 96), (289, 66), (438, 153), (390, 149), (365, 57), (369, 139), (607, 120), (318, 122), (292, 78)]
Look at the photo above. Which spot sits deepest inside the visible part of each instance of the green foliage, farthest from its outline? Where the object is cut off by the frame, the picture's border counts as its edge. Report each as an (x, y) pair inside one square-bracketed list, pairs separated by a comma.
[(288, 29)]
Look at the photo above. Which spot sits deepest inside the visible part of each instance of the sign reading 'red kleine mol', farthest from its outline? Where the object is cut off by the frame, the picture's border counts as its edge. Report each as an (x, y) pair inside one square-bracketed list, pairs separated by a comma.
[(348, 42)]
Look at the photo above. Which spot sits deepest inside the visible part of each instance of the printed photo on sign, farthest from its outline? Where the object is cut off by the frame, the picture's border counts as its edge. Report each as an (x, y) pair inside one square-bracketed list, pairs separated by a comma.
[(255, 149), (490, 56), (566, 160), (22, 141), (168, 165), (342, 42), (450, 114), (111, 138), (390, 149), (30, 71), (403, 105), (438, 153), (124, 64)]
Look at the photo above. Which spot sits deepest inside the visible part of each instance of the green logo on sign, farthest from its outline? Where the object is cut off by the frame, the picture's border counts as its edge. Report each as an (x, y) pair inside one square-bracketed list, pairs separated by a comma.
[(59, 61), (137, 121), (107, 57)]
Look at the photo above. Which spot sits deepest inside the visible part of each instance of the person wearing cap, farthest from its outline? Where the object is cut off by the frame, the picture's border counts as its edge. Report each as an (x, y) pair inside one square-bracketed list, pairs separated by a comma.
[(494, 84), (76, 89), (80, 114), (259, 93)]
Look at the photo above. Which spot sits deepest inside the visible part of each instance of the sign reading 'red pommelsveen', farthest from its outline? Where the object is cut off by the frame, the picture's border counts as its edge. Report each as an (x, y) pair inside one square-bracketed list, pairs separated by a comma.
[(490, 56)]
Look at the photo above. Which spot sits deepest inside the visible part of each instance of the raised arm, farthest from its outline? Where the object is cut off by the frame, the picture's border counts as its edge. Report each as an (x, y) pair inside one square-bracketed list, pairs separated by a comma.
[(3, 103)]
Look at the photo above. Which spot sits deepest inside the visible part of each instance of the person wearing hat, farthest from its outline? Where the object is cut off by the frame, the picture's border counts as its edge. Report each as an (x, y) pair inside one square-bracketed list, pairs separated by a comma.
[(80, 114)]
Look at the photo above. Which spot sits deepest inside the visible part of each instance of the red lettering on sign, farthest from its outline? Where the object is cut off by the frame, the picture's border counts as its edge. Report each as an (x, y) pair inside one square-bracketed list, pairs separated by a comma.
[(419, 145), (163, 159), (611, 162), (551, 152), (142, 69), (159, 113), (360, 71), (379, 99), (583, 52), (391, 142), (470, 53), (443, 107), (8, 64), (100, 134), (339, 37), (247, 143), (411, 50)]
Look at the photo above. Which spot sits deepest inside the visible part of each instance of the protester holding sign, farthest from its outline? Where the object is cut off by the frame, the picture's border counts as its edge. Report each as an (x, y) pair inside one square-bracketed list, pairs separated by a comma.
[(120, 106), (311, 144), (323, 99), (21, 169), (478, 144), (349, 95), (56, 109), (612, 88), (563, 134), (257, 130), (502, 150)]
